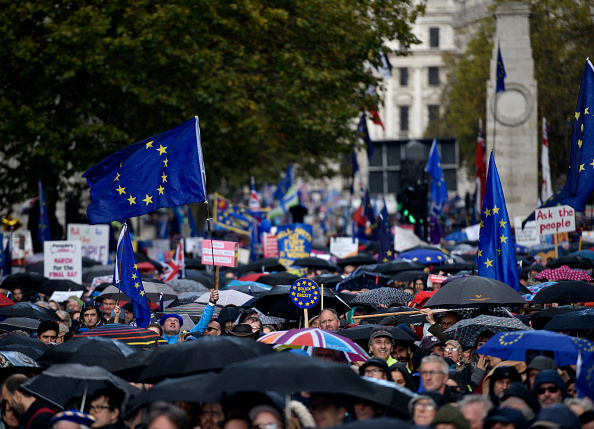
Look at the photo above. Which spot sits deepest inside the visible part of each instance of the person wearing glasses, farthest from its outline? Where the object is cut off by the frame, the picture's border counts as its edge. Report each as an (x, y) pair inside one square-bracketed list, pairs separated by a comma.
[(434, 373), (549, 388), (376, 368), (213, 329), (105, 406)]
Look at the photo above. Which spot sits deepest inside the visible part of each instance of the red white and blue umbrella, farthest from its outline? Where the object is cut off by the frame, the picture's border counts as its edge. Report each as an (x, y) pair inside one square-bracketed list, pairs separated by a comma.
[(314, 337)]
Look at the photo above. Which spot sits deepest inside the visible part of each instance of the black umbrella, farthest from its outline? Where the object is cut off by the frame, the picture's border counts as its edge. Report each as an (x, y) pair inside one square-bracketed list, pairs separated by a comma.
[(378, 422), (328, 280), (194, 264), (107, 353), (261, 265), (565, 292), (37, 267), (19, 324), (27, 309), (404, 318), (282, 278), (277, 302), (11, 339), (573, 261), (207, 281), (383, 296), (53, 285), (88, 274), (582, 320), (475, 291), (357, 260), (393, 267), (203, 354), (187, 285), (314, 262), (540, 319), (409, 276), (28, 281), (349, 297), (26, 350), (61, 382), (363, 332), (364, 280), (455, 267)]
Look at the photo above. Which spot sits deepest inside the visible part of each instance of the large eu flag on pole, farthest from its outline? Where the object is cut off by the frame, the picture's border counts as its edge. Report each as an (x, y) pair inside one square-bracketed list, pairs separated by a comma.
[(497, 251), (43, 230), (439, 191), (501, 75), (166, 170), (127, 277)]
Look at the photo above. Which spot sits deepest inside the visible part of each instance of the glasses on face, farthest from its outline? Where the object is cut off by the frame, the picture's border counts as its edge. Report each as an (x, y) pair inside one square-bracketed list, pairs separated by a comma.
[(210, 329), (432, 373), (451, 349), (543, 390), (267, 426), (99, 408), (447, 324), (372, 371), (424, 406)]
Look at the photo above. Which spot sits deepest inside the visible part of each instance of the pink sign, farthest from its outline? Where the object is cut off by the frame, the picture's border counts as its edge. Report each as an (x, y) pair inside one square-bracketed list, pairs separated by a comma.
[(224, 253), (269, 245)]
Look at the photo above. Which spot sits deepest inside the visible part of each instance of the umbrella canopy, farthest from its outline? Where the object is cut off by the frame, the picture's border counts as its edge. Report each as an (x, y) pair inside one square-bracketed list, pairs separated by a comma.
[(393, 267), (466, 331), (227, 297), (249, 288), (74, 380), (5, 301), (475, 291), (194, 263), (112, 292), (192, 308), (10, 340), (251, 277), (378, 422), (28, 281), (514, 345), (581, 320), (131, 335), (282, 278), (261, 265), (214, 353), (88, 274), (567, 292), (424, 256), (573, 261), (154, 290), (15, 359), (563, 273), (534, 289), (410, 276), (357, 260), (92, 351), (187, 285), (277, 302), (404, 318), (541, 318), (363, 332), (53, 285), (314, 337), (207, 281), (328, 280), (364, 280), (383, 296), (30, 310), (454, 267), (19, 324), (315, 262)]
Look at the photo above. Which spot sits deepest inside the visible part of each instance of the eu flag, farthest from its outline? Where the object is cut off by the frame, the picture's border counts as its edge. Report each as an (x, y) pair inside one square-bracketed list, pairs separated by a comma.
[(285, 184), (364, 135), (501, 75), (166, 170), (497, 251), (372, 226), (43, 231), (127, 277), (232, 217), (7, 258), (386, 251), (439, 191)]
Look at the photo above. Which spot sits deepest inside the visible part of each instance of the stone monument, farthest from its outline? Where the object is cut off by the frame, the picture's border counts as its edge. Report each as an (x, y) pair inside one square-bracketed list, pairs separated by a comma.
[(512, 132)]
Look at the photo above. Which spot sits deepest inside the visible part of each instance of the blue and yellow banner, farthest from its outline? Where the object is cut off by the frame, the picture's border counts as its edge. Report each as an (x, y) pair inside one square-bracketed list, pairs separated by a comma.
[(294, 242), (232, 217)]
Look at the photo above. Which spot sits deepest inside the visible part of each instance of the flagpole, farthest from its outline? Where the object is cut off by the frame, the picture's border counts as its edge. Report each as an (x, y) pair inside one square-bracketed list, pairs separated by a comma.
[(124, 226)]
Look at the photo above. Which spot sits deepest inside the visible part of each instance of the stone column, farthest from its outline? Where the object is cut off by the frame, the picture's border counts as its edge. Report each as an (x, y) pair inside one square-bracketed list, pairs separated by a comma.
[(513, 137)]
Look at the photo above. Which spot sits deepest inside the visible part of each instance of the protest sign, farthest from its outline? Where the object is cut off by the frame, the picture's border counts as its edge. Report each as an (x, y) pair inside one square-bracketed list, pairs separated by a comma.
[(94, 240), (63, 260)]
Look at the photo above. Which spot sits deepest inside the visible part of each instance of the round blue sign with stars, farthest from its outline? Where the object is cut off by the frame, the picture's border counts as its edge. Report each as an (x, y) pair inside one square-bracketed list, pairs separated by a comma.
[(304, 293)]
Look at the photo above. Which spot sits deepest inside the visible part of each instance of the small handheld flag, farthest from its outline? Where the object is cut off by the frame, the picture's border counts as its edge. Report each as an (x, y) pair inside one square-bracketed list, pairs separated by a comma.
[(175, 267), (43, 231), (501, 75), (439, 191)]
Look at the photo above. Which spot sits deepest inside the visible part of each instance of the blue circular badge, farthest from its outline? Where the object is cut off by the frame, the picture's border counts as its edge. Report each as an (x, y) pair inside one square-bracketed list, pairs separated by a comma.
[(304, 293)]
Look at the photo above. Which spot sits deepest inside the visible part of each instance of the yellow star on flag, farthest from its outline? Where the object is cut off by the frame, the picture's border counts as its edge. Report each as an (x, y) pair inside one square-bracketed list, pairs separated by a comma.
[(134, 276), (149, 144), (132, 200), (136, 285), (117, 177), (582, 167), (160, 189), (164, 177), (121, 190), (502, 223), (503, 238), (495, 210), (142, 292), (165, 161), (148, 200), (480, 253), (489, 263), (487, 212), (162, 149)]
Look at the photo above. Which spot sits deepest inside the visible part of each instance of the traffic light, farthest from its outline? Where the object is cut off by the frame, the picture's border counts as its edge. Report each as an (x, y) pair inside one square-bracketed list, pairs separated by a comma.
[(408, 205)]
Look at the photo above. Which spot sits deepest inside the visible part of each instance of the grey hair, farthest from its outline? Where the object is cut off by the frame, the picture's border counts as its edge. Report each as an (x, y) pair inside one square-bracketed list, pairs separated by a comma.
[(470, 400), (586, 405), (514, 402), (413, 401), (332, 310), (436, 359), (67, 320)]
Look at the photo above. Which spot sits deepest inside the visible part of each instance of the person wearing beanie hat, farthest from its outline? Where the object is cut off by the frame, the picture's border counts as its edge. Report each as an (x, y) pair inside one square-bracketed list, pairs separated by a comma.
[(501, 379), (536, 365), (227, 318), (507, 416), (549, 388), (449, 415), (265, 416), (72, 419), (520, 391), (557, 416), (376, 368), (434, 344), (172, 323)]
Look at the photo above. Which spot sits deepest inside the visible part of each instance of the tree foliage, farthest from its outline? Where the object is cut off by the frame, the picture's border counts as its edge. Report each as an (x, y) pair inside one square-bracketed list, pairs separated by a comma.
[(561, 39), (273, 82)]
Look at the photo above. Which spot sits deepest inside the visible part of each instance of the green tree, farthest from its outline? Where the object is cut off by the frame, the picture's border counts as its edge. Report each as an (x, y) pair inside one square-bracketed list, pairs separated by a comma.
[(273, 82), (561, 36)]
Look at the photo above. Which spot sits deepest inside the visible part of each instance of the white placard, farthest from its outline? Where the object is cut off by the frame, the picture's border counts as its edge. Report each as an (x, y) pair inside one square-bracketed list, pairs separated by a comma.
[(244, 256), (63, 260), (94, 240), (62, 296), (21, 245), (588, 236), (405, 239), (341, 247), (528, 236), (472, 232), (193, 245), (552, 220)]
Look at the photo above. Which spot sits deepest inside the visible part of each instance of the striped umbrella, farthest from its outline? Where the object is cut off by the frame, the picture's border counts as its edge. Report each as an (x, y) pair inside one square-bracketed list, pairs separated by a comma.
[(131, 335), (534, 289), (314, 337)]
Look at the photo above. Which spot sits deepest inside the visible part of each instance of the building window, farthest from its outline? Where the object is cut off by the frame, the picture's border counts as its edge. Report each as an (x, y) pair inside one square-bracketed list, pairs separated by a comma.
[(403, 76), (433, 110), (433, 76), (434, 37), (403, 118)]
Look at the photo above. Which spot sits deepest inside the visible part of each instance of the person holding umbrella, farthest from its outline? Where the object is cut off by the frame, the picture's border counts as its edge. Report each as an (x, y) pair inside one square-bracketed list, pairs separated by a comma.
[(34, 413)]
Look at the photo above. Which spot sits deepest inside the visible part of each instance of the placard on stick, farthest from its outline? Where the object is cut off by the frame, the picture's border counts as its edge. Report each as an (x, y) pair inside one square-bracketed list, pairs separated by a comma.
[(225, 253), (305, 293)]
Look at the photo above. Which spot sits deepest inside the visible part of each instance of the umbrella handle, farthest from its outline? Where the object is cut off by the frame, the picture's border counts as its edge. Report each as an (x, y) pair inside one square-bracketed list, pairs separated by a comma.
[(84, 396)]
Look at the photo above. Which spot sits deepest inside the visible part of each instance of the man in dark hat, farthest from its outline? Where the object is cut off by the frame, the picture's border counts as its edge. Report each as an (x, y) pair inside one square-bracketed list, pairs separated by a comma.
[(505, 417), (227, 318), (72, 419), (381, 343), (243, 330), (536, 365), (434, 344), (376, 368), (549, 388), (501, 379)]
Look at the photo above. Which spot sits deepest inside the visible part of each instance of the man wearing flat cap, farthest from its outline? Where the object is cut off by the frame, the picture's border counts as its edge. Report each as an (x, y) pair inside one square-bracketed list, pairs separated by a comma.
[(172, 323), (72, 419)]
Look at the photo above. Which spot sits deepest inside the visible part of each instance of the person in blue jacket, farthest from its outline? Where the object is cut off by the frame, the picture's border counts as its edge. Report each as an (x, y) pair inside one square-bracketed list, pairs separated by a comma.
[(172, 323)]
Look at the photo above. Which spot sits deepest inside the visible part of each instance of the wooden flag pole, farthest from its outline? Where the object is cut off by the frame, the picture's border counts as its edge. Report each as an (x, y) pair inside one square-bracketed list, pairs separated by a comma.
[(216, 276), (441, 310), (306, 317), (556, 245), (321, 297)]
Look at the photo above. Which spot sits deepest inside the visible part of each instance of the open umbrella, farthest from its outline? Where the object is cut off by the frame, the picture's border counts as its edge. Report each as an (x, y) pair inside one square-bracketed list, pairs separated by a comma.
[(15, 359), (364, 280), (275, 279), (61, 382), (454, 267), (227, 297), (154, 290), (53, 285), (19, 324), (514, 345), (277, 302), (581, 320), (402, 318), (356, 260), (204, 354), (563, 273), (393, 267), (261, 265), (573, 261), (131, 335), (28, 281), (383, 296), (207, 281), (425, 256), (534, 289), (475, 291), (187, 285), (249, 288), (30, 310), (5, 301), (566, 292), (328, 280), (314, 262), (363, 332), (540, 319), (88, 274), (11, 340), (112, 292), (314, 337), (410, 276), (378, 422), (466, 331), (192, 308)]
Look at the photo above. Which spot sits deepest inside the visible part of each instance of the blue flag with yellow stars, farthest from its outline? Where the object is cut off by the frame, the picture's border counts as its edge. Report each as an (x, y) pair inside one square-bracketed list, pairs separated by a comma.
[(386, 252), (501, 75), (232, 217), (497, 251), (166, 170), (439, 191), (43, 231), (127, 277)]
